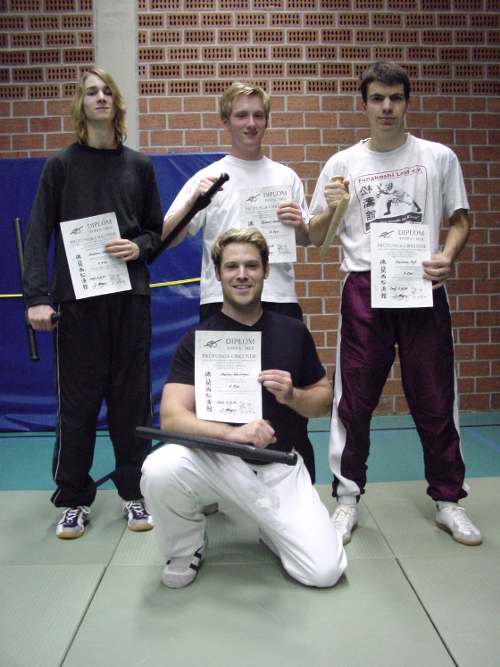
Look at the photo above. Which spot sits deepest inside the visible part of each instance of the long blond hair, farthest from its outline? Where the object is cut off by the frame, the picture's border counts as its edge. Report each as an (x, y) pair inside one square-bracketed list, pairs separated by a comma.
[(78, 114)]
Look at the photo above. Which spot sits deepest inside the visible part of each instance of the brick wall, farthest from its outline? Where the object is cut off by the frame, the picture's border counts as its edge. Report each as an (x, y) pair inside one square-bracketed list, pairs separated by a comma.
[(308, 54), (44, 46)]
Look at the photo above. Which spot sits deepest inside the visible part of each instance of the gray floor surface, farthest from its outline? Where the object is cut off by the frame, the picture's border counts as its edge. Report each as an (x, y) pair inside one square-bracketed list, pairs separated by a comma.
[(411, 595)]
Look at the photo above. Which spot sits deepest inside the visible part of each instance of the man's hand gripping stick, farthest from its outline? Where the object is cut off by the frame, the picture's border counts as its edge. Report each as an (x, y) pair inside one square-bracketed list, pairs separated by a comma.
[(335, 221), (32, 342), (201, 202), (244, 451)]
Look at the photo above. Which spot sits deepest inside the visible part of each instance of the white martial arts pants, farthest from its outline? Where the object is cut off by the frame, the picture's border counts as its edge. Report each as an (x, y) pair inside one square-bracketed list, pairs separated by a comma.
[(177, 482)]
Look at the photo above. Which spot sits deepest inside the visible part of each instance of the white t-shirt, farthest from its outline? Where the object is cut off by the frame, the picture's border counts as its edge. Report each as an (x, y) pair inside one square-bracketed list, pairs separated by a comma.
[(223, 213), (420, 182)]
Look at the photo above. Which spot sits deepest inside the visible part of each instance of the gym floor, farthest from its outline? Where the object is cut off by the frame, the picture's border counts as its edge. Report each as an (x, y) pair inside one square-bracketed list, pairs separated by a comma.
[(411, 595)]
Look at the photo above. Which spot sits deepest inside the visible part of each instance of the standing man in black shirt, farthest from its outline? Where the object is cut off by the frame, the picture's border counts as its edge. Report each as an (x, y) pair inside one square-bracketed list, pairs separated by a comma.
[(102, 343), (178, 481)]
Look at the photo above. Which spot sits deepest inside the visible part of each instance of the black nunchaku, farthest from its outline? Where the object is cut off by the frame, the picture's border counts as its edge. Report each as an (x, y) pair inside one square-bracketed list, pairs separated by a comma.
[(201, 202), (245, 451), (32, 342)]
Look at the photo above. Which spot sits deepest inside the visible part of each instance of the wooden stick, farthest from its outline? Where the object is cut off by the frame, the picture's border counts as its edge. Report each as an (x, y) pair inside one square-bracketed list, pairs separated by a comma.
[(334, 225)]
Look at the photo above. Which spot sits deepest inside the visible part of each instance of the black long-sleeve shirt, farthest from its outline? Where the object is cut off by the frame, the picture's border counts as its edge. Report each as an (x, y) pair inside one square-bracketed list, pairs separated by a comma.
[(80, 182)]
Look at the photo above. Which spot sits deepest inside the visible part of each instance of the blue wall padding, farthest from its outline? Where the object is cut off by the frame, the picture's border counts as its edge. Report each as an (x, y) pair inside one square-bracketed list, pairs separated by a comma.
[(27, 401)]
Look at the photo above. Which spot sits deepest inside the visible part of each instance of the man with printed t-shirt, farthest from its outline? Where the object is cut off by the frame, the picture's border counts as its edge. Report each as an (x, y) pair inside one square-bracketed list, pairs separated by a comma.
[(394, 177)]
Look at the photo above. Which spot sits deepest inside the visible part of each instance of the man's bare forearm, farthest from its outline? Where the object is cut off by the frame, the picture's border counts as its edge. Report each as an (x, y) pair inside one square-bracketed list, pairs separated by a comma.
[(457, 235), (318, 226), (315, 401), (173, 220)]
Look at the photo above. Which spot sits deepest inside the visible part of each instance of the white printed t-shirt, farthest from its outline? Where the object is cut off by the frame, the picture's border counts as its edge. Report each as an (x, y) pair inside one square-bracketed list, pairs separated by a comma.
[(419, 182)]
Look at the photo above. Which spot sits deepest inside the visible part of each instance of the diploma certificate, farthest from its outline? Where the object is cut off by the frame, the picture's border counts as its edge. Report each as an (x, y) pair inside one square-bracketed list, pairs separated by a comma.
[(258, 208), (227, 364), (94, 272), (398, 251)]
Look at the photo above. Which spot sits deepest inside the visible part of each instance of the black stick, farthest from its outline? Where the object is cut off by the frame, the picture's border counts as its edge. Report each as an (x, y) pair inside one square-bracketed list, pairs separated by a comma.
[(32, 344), (202, 202), (245, 451)]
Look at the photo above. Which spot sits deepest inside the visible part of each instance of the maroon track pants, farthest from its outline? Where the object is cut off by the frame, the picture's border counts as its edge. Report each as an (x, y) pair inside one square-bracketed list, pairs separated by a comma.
[(365, 354)]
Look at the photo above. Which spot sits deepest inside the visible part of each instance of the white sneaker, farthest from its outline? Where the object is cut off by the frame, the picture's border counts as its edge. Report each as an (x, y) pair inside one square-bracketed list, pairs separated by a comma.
[(180, 572), (345, 519), (453, 518), (72, 523), (138, 518)]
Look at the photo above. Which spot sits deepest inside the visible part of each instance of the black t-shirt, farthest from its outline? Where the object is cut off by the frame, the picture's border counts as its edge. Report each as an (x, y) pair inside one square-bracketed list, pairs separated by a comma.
[(286, 345)]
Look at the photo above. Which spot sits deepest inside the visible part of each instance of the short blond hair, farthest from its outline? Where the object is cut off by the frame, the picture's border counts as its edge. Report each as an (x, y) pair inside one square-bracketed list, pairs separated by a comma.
[(78, 114), (250, 235), (239, 88)]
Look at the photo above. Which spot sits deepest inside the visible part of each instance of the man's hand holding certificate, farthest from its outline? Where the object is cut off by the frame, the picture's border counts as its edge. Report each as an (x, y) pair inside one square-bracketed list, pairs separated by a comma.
[(438, 269), (123, 249), (93, 270), (258, 208)]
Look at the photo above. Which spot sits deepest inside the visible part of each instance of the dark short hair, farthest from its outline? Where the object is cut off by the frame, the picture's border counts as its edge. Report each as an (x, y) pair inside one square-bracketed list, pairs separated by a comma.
[(387, 73), (244, 235)]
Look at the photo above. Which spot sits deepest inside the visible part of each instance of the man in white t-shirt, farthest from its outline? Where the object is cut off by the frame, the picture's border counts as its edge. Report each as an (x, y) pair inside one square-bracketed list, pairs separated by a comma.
[(244, 110), (397, 178)]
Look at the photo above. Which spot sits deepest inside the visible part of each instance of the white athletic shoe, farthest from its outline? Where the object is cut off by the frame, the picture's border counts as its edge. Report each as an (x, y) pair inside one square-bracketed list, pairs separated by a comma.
[(453, 518), (345, 519), (72, 523), (138, 518), (181, 571)]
